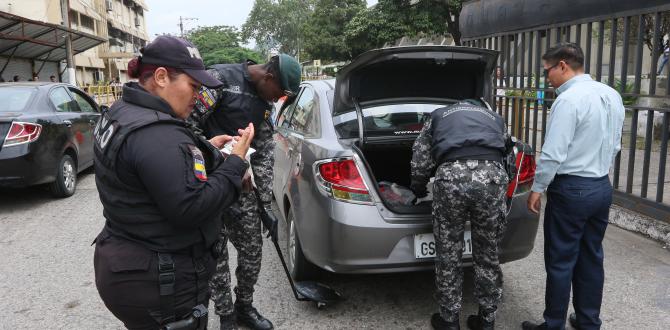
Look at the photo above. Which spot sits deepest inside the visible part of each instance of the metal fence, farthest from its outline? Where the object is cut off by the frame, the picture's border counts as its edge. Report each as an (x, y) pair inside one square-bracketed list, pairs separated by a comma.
[(624, 52)]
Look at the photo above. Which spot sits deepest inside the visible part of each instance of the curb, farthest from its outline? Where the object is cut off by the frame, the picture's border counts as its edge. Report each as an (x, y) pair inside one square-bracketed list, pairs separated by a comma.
[(638, 223)]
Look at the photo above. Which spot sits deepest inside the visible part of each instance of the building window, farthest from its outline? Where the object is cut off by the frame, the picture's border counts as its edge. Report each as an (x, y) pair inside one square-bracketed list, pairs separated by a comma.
[(87, 23)]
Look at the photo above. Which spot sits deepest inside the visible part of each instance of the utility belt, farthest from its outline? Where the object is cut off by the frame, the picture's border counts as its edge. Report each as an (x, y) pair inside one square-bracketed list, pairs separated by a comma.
[(472, 153)]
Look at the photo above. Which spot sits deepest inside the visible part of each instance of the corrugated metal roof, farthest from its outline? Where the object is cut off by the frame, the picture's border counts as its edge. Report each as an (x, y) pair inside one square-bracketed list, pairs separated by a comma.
[(26, 38)]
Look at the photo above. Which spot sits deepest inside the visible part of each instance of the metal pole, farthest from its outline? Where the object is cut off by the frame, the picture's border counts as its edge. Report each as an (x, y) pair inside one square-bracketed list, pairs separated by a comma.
[(70, 73)]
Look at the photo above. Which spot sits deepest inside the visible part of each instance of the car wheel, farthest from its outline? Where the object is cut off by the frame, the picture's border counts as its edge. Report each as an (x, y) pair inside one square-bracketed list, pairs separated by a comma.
[(299, 267), (66, 178)]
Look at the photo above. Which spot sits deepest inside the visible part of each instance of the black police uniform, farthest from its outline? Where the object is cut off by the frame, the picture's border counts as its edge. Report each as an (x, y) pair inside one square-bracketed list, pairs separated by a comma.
[(163, 190)]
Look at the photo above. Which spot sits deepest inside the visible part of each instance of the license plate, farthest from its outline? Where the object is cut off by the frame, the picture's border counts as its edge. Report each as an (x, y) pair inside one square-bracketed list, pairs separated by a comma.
[(424, 245)]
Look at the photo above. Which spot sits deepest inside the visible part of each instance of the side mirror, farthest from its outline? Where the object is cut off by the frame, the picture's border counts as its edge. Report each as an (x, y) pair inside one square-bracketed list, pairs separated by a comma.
[(103, 108)]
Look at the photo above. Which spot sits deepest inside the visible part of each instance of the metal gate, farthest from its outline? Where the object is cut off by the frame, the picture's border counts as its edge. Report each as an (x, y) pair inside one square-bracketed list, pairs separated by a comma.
[(623, 50)]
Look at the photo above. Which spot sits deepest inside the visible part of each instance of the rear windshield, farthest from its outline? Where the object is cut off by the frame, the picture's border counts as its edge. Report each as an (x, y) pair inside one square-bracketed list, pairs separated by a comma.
[(15, 99), (387, 120)]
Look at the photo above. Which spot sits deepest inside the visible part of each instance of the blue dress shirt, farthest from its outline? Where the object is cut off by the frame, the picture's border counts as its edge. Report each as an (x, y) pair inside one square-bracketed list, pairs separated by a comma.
[(583, 132)]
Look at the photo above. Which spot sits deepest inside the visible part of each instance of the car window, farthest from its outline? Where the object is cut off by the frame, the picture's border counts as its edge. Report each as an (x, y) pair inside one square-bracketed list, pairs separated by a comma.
[(62, 101), (305, 113), (15, 99), (84, 103), (285, 116), (386, 120)]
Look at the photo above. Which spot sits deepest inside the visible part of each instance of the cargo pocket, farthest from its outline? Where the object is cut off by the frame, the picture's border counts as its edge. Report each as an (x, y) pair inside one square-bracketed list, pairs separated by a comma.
[(127, 257)]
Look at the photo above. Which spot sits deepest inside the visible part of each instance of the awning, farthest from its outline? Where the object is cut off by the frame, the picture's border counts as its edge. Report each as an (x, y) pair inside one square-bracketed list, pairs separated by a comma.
[(84, 8), (25, 38), (495, 17)]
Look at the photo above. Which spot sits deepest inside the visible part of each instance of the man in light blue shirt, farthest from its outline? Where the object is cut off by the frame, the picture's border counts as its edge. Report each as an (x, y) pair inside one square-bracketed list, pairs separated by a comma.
[(583, 137)]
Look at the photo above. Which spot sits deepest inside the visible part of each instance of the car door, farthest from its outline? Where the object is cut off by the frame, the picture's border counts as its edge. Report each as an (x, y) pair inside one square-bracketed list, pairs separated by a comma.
[(69, 114), (282, 151), (302, 126), (89, 114)]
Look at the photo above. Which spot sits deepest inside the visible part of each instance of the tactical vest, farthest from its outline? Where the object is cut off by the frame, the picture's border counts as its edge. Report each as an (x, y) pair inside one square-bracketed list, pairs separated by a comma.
[(130, 211), (240, 105), (464, 131)]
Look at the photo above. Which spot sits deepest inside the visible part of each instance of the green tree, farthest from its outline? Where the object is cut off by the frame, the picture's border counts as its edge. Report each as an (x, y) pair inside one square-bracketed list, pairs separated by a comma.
[(390, 20), (221, 44), (278, 24), (324, 30)]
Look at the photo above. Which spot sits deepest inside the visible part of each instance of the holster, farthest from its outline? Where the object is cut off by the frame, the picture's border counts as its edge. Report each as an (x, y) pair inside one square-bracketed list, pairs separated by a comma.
[(197, 320)]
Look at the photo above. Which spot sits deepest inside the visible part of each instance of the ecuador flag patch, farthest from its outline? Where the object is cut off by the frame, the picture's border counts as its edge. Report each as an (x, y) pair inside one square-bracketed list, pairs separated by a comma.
[(198, 164)]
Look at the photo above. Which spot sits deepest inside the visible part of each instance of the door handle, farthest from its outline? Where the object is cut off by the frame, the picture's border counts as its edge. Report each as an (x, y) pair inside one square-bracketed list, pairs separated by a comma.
[(67, 123)]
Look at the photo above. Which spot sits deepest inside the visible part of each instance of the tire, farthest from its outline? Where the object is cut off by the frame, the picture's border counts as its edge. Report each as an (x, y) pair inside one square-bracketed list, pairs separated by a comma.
[(299, 267), (66, 178)]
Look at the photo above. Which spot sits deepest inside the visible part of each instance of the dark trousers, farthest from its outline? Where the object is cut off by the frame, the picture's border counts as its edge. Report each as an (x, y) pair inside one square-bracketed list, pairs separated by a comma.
[(126, 275), (575, 221)]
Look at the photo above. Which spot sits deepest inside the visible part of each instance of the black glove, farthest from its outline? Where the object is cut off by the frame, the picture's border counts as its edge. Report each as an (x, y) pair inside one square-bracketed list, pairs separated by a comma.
[(269, 220), (419, 189)]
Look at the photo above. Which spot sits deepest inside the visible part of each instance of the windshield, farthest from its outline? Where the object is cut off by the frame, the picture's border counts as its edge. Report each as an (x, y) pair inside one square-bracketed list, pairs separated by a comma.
[(15, 99), (387, 120)]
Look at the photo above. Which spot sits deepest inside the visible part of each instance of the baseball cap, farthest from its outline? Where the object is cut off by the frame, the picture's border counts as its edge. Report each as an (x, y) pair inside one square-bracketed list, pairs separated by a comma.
[(179, 54), (289, 73)]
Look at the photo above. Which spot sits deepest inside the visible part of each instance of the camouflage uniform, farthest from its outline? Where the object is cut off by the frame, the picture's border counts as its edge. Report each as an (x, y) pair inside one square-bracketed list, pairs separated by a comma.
[(464, 190), (241, 222)]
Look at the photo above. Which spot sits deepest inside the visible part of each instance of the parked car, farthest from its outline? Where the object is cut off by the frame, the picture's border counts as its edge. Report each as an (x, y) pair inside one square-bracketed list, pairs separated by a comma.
[(46, 135), (341, 138)]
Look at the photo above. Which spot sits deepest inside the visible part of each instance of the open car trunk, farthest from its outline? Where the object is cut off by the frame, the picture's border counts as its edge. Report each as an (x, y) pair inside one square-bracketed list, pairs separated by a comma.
[(384, 96), (389, 162)]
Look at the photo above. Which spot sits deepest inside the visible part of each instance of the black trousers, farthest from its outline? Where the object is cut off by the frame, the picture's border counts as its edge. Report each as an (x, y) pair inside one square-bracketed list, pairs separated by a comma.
[(575, 221), (126, 275)]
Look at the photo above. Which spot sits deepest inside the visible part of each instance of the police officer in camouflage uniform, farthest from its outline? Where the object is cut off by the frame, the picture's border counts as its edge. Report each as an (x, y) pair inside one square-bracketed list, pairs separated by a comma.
[(463, 145), (245, 97)]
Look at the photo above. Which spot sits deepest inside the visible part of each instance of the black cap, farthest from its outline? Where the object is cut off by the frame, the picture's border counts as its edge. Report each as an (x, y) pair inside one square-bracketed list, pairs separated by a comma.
[(179, 54)]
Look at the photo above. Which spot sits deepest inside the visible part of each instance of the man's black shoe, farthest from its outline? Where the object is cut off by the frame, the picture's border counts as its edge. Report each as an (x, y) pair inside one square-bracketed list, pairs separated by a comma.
[(439, 323), (476, 322), (573, 321), (228, 323), (248, 316), (528, 325)]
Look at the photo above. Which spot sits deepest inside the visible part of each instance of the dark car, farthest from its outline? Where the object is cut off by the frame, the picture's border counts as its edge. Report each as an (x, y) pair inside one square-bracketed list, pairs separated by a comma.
[(46, 135), (342, 158)]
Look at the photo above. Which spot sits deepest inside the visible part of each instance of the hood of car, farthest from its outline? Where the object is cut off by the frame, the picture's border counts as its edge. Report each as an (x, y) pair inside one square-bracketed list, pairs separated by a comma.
[(414, 74)]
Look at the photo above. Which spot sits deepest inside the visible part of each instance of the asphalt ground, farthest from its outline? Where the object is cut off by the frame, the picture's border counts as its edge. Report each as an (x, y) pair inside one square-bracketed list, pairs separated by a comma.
[(47, 281)]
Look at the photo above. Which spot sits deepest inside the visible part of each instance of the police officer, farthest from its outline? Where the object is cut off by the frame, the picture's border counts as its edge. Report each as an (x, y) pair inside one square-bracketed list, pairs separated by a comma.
[(466, 143), (246, 96), (162, 189)]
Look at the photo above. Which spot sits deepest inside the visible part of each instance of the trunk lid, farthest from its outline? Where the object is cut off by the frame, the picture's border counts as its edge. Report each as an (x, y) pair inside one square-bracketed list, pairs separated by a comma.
[(415, 73)]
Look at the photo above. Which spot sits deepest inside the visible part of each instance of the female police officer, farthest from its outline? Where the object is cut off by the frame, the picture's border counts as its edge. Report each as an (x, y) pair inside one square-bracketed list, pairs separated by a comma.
[(162, 189)]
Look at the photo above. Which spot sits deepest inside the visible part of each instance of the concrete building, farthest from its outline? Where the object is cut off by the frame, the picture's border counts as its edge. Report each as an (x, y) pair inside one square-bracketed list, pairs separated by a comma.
[(120, 22)]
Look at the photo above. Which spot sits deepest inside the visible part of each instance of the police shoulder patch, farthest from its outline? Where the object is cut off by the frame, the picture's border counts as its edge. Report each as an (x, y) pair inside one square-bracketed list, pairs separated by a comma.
[(198, 163)]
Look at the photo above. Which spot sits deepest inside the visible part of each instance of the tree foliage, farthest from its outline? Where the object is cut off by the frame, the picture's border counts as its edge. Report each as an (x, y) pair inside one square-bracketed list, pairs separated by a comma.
[(391, 20), (324, 30), (278, 24), (221, 44)]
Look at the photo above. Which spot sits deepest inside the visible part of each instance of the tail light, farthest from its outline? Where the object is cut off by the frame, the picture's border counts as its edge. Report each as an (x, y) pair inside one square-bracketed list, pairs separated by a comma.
[(20, 133), (341, 180), (523, 181)]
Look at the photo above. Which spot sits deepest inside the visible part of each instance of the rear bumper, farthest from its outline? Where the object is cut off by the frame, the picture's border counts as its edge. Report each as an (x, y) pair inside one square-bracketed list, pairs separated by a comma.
[(19, 167), (351, 238)]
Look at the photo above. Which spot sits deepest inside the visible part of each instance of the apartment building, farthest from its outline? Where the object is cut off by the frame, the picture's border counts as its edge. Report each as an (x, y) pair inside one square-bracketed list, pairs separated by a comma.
[(120, 22)]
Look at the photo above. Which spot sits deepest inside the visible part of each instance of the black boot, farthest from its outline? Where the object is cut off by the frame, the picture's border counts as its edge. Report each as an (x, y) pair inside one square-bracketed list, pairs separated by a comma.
[(439, 323), (228, 322), (248, 316), (477, 322)]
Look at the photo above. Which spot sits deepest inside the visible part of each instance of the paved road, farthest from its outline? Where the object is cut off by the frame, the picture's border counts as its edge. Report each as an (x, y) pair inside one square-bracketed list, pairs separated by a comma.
[(46, 278)]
